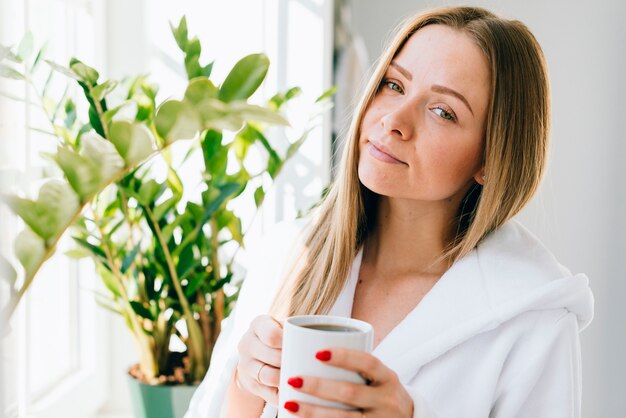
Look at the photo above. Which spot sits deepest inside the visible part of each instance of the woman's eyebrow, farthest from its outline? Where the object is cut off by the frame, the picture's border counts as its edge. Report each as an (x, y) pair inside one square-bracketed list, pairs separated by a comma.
[(435, 87), (402, 70), (447, 90)]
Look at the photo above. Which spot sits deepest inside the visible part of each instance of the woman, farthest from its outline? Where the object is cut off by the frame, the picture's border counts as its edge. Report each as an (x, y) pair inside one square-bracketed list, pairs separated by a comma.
[(472, 315)]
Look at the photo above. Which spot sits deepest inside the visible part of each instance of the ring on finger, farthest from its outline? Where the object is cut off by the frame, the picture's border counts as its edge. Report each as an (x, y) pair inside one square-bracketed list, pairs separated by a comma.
[(258, 374)]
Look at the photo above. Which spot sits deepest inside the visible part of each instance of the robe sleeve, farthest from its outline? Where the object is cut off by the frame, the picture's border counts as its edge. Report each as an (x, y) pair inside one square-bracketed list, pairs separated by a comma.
[(543, 379)]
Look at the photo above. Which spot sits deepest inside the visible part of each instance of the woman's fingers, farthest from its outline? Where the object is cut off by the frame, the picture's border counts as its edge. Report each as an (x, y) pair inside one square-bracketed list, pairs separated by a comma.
[(258, 370), (306, 410), (268, 330), (253, 347), (353, 394), (367, 365)]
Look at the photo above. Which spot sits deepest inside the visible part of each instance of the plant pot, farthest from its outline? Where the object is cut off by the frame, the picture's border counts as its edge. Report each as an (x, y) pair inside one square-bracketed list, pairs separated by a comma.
[(159, 401)]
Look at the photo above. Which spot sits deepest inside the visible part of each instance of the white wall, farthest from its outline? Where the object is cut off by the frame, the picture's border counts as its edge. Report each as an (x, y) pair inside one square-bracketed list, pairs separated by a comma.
[(580, 210)]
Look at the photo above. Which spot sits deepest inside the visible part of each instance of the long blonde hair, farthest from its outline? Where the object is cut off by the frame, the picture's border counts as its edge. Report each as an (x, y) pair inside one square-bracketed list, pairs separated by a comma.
[(515, 152)]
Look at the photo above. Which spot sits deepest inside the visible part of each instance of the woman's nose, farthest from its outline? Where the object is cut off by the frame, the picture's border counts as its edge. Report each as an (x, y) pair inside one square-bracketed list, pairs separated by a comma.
[(399, 122)]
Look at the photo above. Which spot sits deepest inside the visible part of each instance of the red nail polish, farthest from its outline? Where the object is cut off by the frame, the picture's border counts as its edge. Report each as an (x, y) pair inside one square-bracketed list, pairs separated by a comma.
[(292, 406), (296, 382), (323, 355)]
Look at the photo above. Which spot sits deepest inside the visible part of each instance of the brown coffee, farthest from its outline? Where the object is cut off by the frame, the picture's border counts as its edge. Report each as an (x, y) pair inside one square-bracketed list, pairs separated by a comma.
[(332, 327)]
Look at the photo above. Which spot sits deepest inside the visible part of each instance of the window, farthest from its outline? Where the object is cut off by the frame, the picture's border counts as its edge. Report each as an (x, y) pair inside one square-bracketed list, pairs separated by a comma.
[(59, 359)]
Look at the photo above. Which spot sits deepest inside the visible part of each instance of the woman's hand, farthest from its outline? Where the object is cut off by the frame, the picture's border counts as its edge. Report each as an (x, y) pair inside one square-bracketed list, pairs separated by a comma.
[(258, 370), (383, 397)]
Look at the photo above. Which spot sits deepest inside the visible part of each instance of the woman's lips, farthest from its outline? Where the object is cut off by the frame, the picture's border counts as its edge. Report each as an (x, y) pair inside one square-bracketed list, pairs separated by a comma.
[(381, 155)]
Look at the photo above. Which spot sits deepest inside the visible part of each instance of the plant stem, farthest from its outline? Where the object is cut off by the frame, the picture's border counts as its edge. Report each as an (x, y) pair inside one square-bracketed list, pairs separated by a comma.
[(195, 344), (149, 365)]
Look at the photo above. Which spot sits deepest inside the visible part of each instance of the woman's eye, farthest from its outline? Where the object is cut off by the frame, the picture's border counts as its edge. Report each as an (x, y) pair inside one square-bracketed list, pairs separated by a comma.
[(393, 86), (444, 114)]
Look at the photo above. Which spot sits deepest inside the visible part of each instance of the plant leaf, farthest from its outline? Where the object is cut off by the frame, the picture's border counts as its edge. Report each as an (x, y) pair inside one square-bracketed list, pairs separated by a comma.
[(259, 196), (141, 310), (63, 70), (51, 212), (133, 141), (8, 72), (129, 258), (180, 33), (82, 174), (245, 77), (176, 120), (7, 272), (257, 113), (5, 52), (200, 88), (84, 72), (25, 48), (149, 192), (109, 280), (99, 92), (327, 94), (103, 155), (29, 249)]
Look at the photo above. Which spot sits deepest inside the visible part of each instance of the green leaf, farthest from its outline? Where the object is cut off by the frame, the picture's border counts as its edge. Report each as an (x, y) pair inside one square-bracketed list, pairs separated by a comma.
[(129, 259), (206, 70), (215, 154), (234, 226), (174, 183), (99, 92), (141, 310), (199, 89), (7, 272), (94, 251), (217, 115), (8, 72), (70, 114), (29, 249), (326, 94), (180, 33), (38, 59), (63, 70), (212, 204), (245, 77), (5, 52), (82, 174), (104, 156), (51, 212), (109, 305), (257, 113), (84, 72), (133, 141), (78, 253), (25, 48), (161, 210), (149, 192), (176, 120), (194, 283), (109, 280), (259, 196)]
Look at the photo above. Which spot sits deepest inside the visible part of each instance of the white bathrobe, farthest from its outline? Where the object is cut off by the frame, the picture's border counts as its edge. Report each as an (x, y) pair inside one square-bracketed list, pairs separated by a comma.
[(497, 336)]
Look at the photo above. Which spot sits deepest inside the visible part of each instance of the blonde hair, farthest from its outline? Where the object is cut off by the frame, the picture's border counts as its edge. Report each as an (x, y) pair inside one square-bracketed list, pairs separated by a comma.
[(515, 152)]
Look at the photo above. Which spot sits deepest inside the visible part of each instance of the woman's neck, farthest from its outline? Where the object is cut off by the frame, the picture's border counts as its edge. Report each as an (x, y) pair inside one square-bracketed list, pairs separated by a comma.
[(409, 237)]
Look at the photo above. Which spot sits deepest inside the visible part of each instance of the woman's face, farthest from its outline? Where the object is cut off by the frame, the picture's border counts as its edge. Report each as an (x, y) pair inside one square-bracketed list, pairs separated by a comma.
[(422, 136)]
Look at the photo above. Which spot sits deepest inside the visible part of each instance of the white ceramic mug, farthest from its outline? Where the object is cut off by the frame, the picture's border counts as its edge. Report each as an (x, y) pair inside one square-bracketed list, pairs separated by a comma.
[(300, 343)]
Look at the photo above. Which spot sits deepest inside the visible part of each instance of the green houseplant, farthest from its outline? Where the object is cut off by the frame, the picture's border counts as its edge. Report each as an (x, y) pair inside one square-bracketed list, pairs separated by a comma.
[(159, 246)]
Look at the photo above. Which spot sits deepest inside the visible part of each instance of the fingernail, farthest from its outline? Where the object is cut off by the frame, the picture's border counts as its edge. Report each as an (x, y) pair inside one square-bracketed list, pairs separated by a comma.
[(296, 382), (323, 355), (292, 406)]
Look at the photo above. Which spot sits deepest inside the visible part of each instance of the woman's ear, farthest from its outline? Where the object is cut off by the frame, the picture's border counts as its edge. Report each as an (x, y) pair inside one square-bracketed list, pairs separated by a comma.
[(479, 177)]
